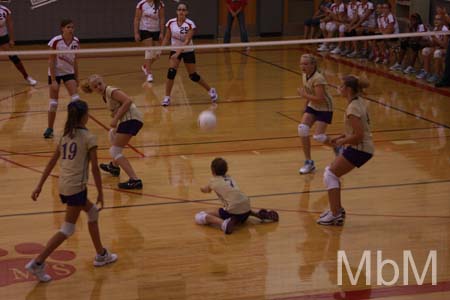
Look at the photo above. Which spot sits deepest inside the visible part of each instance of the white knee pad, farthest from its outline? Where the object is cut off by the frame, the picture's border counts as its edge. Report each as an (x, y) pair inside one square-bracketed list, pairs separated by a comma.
[(92, 214), (75, 97), (303, 130), (112, 135), (342, 28), (67, 229), (438, 53), (53, 105), (331, 181), (321, 138), (331, 27), (200, 218), (323, 26), (148, 54), (426, 51), (116, 152)]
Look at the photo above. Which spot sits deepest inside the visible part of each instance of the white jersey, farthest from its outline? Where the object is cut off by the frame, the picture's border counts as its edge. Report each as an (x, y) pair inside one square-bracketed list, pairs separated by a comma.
[(440, 37), (385, 21), (65, 63), (150, 20), (362, 11), (4, 13), (352, 10), (179, 32), (337, 9)]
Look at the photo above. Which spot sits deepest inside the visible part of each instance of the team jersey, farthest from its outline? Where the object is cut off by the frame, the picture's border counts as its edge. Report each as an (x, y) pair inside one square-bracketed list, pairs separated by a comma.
[(74, 161), (358, 108), (310, 87), (4, 13), (337, 9), (441, 37), (65, 63), (113, 105), (385, 21), (179, 32), (234, 201), (363, 9), (150, 20), (352, 10)]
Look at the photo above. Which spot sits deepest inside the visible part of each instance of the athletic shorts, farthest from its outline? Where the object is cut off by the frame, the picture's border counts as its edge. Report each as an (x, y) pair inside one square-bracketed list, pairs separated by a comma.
[(187, 57), (154, 35), (78, 199), (356, 157), (240, 217), (4, 40), (323, 116), (64, 78), (130, 127)]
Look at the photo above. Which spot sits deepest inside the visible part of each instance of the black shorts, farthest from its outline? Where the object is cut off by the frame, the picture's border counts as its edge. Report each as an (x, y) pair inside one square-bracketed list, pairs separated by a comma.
[(240, 217), (312, 22), (187, 57), (154, 35), (4, 40), (351, 33), (130, 127), (78, 199), (323, 116), (64, 78), (356, 157)]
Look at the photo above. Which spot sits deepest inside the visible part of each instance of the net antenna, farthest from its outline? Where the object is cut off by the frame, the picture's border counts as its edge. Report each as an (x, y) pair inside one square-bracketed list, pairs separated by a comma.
[(39, 3)]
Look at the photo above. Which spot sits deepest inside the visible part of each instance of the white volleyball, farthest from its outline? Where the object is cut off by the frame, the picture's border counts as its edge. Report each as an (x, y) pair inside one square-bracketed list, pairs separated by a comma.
[(207, 120)]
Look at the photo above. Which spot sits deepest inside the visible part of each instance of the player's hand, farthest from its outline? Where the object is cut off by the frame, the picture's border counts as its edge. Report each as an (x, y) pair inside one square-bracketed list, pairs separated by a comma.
[(54, 85), (113, 123), (301, 92), (11, 43), (99, 202), (137, 37), (204, 189), (161, 36), (35, 193)]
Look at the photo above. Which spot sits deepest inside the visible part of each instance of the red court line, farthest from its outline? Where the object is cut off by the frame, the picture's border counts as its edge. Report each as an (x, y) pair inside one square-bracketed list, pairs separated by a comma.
[(107, 129), (443, 286)]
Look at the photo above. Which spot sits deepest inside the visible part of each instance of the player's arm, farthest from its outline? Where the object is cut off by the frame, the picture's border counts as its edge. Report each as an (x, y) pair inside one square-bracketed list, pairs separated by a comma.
[(10, 26), (358, 132), (137, 19), (48, 169), (167, 37), (125, 103), (205, 189), (52, 66), (75, 67), (96, 175), (319, 91), (162, 18)]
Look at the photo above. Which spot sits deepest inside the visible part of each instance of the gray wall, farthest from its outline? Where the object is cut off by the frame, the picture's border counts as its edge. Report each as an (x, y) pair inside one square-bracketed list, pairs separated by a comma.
[(270, 17), (99, 19)]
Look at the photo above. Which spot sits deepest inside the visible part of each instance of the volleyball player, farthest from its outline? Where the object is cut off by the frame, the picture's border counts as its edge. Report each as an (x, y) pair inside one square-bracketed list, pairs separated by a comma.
[(180, 31), (126, 122), (149, 29), (62, 68), (7, 41), (75, 149)]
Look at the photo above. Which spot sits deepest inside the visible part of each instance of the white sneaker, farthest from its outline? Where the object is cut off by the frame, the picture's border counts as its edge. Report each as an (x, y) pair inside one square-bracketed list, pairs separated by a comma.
[(213, 94), (409, 70), (31, 81), (150, 77), (341, 211), (166, 101), (144, 69), (308, 167), (336, 50), (329, 219), (323, 48), (101, 260), (38, 271), (353, 54), (396, 67), (422, 74)]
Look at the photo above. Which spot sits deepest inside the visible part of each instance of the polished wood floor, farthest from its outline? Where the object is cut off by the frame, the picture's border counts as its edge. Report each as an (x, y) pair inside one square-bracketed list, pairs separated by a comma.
[(399, 201)]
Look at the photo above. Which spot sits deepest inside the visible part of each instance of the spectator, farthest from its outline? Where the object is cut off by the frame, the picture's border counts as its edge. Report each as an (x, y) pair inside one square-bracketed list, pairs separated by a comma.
[(312, 23), (236, 9)]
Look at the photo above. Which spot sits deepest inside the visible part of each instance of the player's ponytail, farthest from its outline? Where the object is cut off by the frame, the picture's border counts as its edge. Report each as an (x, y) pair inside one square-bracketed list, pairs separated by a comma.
[(355, 83), (76, 110), (157, 4)]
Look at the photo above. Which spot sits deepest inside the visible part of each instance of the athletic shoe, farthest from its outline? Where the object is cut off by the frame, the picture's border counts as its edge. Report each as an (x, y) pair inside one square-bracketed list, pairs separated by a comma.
[(110, 168), (271, 215), (345, 52), (353, 54), (342, 212), (422, 74), (107, 258), (409, 70), (336, 50), (144, 69), (308, 167), (433, 78), (48, 133), (38, 271), (323, 48), (166, 101), (385, 61), (329, 219), (228, 225), (213, 94), (131, 184), (396, 67), (150, 77), (31, 81), (378, 60)]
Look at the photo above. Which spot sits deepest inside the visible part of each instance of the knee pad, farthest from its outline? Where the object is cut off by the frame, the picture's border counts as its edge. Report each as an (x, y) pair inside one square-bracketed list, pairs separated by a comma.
[(112, 135), (303, 130), (149, 54), (15, 59), (331, 27), (75, 97), (200, 218), (322, 138), (171, 73), (342, 28), (330, 180), (194, 77), (438, 53), (116, 152), (323, 26), (426, 51), (67, 229), (53, 105), (92, 214)]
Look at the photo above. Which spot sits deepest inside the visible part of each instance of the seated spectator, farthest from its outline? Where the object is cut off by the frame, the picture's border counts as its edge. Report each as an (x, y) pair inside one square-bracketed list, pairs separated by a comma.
[(365, 26), (437, 48), (445, 80), (349, 20), (387, 25), (313, 23), (413, 44), (335, 18)]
